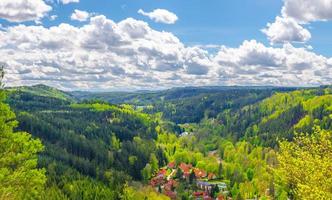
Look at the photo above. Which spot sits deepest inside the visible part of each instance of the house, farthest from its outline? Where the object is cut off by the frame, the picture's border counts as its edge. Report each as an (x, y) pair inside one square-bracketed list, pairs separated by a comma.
[(161, 173), (159, 179), (222, 186), (207, 186), (185, 167), (156, 181), (198, 194), (186, 170), (184, 134), (170, 185), (171, 165), (211, 176), (201, 195), (186, 175), (199, 174)]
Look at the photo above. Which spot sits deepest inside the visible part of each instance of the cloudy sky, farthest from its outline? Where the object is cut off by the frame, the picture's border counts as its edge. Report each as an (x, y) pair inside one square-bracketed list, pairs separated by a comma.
[(156, 44)]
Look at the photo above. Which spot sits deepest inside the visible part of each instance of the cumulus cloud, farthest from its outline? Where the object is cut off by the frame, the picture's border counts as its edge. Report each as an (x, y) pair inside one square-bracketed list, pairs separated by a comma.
[(69, 1), (285, 30), (128, 53), (160, 15), (104, 54), (294, 15), (308, 11), (23, 10), (80, 15), (254, 63), (197, 61)]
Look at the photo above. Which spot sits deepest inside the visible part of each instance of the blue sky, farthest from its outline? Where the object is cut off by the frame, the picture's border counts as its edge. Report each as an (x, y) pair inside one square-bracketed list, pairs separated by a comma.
[(242, 52), (222, 22)]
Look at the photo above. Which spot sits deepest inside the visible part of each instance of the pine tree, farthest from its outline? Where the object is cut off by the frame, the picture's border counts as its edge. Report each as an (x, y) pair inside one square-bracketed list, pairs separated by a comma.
[(19, 176)]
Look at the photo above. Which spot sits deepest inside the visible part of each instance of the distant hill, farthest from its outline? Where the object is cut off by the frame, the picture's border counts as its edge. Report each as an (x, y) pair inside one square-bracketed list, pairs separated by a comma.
[(148, 97), (187, 104), (179, 105), (42, 90)]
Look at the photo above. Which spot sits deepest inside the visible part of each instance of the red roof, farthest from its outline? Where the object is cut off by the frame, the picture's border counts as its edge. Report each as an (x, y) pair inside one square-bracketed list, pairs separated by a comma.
[(170, 184), (199, 173), (198, 194), (171, 165), (156, 181), (162, 171), (186, 174), (185, 168)]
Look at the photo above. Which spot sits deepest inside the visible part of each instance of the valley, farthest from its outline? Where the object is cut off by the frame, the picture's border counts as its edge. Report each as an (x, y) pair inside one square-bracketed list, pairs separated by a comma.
[(183, 143)]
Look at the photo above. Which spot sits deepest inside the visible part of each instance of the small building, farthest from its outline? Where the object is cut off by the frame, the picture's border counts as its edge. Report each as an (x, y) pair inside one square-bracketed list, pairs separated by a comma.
[(185, 167), (170, 185), (199, 173), (162, 173), (211, 176), (184, 134), (171, 165), (207, 186), (157, 181)]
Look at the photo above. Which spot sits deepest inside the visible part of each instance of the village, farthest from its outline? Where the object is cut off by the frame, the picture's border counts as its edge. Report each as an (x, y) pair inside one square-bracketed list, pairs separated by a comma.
[(183, 181)]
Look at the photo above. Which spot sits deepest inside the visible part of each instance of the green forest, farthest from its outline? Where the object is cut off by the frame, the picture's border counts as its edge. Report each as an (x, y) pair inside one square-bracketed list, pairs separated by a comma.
[(181, 143)]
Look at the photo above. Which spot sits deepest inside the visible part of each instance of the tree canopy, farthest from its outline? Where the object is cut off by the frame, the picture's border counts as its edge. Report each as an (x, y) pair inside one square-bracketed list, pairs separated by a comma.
[(19, 176)]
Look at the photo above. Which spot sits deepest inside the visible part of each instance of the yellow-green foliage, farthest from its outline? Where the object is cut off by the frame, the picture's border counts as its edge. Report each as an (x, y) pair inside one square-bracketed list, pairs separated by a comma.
[(41, 90), (145, 193), (304, 170), (19, 176), (168, 142), (304, 122), (318, 101), (280, 102), (125, 109), (94, 106), (249, 166)]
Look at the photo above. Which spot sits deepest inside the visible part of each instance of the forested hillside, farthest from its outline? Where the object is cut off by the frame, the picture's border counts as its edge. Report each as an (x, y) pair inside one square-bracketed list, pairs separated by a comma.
[(189, 104), (94, 147), (162, 145), (279, 116)]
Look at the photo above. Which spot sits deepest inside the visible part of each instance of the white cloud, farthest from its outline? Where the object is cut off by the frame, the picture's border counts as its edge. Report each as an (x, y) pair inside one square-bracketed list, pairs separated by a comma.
[(23, 10), (160, 15), (104, 54), (197, 61), (80, 15), (305, 11), (69, 1), (294, 15), (53, 17), (254, 63), (285, 30)]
